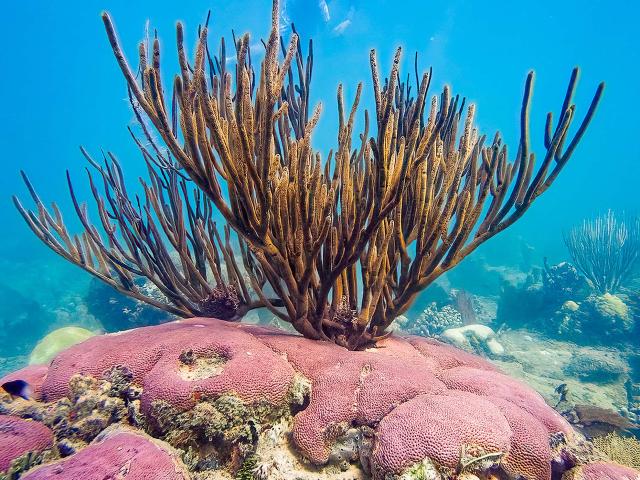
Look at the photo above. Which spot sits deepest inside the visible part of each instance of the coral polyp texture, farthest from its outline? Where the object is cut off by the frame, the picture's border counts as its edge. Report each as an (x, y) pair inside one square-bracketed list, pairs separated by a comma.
[(219, 393), (177, 362), (338, 245), (119, 453), (21, 438)]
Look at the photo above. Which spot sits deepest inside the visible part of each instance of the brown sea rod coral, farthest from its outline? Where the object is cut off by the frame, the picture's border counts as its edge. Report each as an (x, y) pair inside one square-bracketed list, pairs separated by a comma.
[(364, 229)]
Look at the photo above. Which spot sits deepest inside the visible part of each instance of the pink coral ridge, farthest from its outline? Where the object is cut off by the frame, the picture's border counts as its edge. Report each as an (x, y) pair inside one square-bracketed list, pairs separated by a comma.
[(350, 389), (34, 375), (410, 391), (496, 384), (18, 436), (436, 427), (602, 471), (529, 452), (152, 354), (118, 453)]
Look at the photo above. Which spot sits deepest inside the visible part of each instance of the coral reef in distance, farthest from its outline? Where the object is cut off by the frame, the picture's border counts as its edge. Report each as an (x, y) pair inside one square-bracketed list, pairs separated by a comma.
[(216, 395), (559, 301)]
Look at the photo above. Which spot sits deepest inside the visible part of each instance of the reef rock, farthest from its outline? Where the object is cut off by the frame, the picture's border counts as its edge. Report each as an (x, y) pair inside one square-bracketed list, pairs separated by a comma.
[(608, 314), (597, 367), (236, 398), (473, 337), (432, 321), (595, 319), (563, 280), (545, 364), (542, 296), (559, 302)]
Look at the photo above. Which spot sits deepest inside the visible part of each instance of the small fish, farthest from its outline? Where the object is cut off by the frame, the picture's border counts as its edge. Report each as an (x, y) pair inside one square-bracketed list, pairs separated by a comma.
[(17, 388), (563, 391)]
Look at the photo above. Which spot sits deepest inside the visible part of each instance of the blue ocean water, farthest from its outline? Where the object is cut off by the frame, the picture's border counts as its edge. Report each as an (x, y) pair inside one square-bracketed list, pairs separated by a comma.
[(62, 88)]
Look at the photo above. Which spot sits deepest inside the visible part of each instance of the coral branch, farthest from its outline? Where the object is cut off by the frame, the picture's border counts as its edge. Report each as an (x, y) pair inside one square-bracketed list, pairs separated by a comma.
[(345, 242), (605, 250)]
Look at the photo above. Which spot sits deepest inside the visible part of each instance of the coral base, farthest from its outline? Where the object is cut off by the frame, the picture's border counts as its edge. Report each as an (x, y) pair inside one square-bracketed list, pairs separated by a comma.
[(233, 398)]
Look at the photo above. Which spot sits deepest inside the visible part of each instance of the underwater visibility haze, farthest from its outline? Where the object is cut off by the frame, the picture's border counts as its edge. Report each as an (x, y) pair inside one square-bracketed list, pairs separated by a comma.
[(360, 240)]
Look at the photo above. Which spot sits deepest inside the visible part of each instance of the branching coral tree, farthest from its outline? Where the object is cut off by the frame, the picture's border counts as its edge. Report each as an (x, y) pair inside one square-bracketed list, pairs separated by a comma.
[(346, 241), (606, 250), (168, 238)]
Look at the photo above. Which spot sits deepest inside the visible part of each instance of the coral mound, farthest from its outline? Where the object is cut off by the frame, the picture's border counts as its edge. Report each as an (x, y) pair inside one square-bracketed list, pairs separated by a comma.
[(216, 390), (602, 471), (19, 437), (117, 453), (436, 427), (178, 363), (496, 384)]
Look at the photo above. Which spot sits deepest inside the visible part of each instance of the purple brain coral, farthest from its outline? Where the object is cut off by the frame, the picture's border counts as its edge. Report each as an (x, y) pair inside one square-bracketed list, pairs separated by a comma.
[(415, 400), (19, 437), (119, 453)]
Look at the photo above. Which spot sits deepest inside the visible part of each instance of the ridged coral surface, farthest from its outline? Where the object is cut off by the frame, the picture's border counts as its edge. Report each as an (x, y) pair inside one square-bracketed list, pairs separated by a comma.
[(436, 427), (160, 357), (18, 436), (117, 454), (418, 398), (529, 451), (496, 384)]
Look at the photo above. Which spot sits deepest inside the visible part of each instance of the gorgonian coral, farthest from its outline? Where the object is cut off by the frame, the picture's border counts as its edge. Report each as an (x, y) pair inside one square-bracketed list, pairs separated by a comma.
[(363, 229), (606, 250)]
